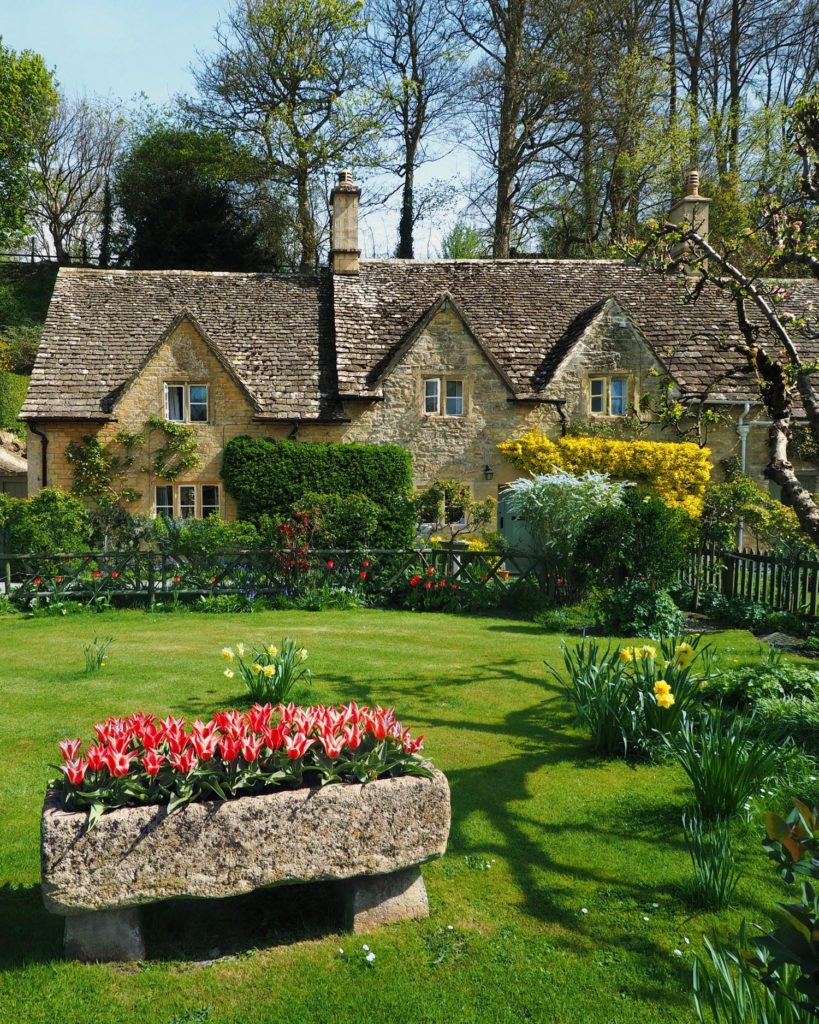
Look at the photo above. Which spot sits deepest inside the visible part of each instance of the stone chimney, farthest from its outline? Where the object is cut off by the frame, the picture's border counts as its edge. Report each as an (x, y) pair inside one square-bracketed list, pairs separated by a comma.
[(344, 251), (691, 210)]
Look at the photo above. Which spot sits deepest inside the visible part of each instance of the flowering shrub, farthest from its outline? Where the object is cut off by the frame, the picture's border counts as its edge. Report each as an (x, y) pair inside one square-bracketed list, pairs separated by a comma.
[(631, 697), (676, 472), (433, 591), (269, 673), (139, 760)]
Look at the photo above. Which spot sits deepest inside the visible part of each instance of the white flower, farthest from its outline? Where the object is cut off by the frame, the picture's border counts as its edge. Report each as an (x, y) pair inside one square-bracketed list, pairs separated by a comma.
[(227, 653), (370, 957), (449, 928), (272, 650), (365, 947), (646, 918), (655, 905), (340, 951), (301, 654), (812, 778), (229, 673), (584, 910), (677, 952), (686, 940), (240, 650)]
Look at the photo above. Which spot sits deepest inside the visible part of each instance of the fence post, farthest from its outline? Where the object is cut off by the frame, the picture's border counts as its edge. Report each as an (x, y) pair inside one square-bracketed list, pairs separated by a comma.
[(729, 566), (7, 575)]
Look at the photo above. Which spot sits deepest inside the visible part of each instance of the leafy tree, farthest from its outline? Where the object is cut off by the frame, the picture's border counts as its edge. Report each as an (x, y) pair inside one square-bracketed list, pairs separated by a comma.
[(27, 102), (464, 242), (185, 198), (287, 78)]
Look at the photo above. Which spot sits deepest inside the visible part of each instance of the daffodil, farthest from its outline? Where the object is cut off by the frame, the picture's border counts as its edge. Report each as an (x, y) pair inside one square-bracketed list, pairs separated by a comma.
[(256, 666), (269, 670), (228, 673), (240, 650), (227, 653), (272, 650), (626, 654), (301, 654), (684, 655), (665, 700), (648, 652), (661, 686)]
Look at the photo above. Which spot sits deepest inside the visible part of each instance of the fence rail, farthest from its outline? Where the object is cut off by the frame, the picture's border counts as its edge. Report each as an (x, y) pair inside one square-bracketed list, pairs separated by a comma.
[(783, 584), (146, 576)]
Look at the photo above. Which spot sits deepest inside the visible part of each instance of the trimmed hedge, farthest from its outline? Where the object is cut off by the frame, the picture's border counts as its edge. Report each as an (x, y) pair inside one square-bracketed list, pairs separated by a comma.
[(268, 477), (13, 387)]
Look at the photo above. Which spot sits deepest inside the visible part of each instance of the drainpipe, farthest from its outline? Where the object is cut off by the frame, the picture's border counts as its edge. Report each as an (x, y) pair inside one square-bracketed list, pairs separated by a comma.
[(44, 454)]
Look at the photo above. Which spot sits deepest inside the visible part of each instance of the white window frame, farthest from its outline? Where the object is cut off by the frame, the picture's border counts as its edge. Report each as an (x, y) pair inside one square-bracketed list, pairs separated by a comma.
[(213, 509), (186, 402), (164, 487), (196, 506), (437, 382), (606, 381), (198, 499), (456, 398)]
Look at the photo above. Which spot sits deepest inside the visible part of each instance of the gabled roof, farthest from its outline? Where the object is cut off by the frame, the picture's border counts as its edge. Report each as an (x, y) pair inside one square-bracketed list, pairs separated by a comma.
[(529, 312), (443, 302), (273, 331)]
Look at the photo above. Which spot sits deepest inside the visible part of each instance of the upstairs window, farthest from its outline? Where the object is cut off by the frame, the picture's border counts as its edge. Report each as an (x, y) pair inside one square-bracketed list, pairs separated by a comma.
[(186, 403), (608, 396), (454, 398), (432, 395)]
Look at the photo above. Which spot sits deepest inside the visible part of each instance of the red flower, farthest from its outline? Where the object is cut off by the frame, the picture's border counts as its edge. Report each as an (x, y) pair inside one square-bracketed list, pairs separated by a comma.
[(258, 718), (177, 579), (118, 762), (213, 579), (251, 748), (204, 745), (70, 749), (75, 771), (37, 581), (152, 762), (96, 574), (229, 748), (184, 762), (430, 571), (297, 745), (96, 758), (333, 745), (415, 581), (352, 737), (58, 579), (362, 575), (274, 738), (427, 585), (453, 586), (330, 564), (413, 746), (366, 564), (114, 574)]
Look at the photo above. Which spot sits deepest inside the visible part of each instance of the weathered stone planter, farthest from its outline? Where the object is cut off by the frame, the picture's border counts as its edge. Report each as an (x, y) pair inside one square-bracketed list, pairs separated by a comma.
[(370, 838)]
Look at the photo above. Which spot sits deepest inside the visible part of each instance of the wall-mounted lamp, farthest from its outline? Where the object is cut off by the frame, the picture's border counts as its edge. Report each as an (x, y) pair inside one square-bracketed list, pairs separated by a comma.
[(488, 472)]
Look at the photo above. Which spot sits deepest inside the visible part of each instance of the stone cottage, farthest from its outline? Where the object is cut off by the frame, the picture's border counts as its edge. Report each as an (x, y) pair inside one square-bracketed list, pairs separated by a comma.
[(445, 357)]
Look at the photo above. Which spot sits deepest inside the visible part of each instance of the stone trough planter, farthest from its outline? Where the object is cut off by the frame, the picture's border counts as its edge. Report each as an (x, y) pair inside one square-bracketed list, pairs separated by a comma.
[(369, 838)]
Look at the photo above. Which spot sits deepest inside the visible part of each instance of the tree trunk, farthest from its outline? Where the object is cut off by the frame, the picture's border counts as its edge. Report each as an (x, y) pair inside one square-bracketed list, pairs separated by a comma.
[(305, 224), (734, 90), (406, 223), (507, 130)]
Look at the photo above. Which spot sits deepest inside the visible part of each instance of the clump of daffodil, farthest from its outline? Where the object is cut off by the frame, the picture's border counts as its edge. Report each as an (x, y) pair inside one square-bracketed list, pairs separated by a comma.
[(626, 654), (648, 653), (269, 670), (663, 694), (684, 655), (272, 650), (227, 653)]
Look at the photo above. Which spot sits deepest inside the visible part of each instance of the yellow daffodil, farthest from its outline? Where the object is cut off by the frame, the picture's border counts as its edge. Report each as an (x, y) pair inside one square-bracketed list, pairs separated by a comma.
[(703, 684), (228, 673), (272, 650), (269, 670), (227, 653), (661, 686), (301, 654), (240, 650), (626, 654), (256, 666), (684, 655), (665, 700), (648, 652)]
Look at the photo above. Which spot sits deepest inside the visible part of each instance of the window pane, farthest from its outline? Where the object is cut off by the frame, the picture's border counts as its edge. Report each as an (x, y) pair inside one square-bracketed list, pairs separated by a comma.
[(432, 397), (210, 500), (187, 502), (454, 398), (198, 402), (164, 501), (597, 393), (175, 402), (618, 396)]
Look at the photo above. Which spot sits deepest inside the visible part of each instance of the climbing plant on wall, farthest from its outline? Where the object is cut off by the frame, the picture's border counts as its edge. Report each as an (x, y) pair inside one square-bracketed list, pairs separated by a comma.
[(676, 472)]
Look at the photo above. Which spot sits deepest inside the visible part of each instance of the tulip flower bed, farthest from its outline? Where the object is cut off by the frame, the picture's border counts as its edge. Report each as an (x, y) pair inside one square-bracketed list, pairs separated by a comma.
[(139, 760)]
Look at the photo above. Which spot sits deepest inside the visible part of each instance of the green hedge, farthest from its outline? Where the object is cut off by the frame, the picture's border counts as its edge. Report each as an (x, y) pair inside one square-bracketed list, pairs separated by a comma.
[(13, 387), (269, 477)]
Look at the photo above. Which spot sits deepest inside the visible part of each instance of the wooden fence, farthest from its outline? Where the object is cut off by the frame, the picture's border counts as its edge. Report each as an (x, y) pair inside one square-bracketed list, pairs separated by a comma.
[(147, 576), (781, 583)]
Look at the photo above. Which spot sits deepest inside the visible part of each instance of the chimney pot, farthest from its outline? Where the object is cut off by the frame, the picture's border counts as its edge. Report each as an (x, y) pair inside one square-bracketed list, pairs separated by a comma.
[(691, 211), (693, 184)]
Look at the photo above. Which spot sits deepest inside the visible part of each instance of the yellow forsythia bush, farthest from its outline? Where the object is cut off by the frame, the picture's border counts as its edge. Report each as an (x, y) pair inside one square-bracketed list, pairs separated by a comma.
[(677, 473)]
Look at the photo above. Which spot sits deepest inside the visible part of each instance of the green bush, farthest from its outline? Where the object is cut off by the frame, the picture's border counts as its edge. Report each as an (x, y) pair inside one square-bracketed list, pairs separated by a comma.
[(744, 686), (51, 521), (342, 520), (639, 608), (788, 718), (13, 387), (269, 477), (641, 536), (202, 538)]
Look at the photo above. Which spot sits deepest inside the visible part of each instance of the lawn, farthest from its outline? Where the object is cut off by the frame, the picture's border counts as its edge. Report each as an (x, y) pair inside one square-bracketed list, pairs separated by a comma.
[(564, 883)]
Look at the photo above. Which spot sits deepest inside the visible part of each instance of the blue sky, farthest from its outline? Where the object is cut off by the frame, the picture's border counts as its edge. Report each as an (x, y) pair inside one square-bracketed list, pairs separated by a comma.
[(123, 48)]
